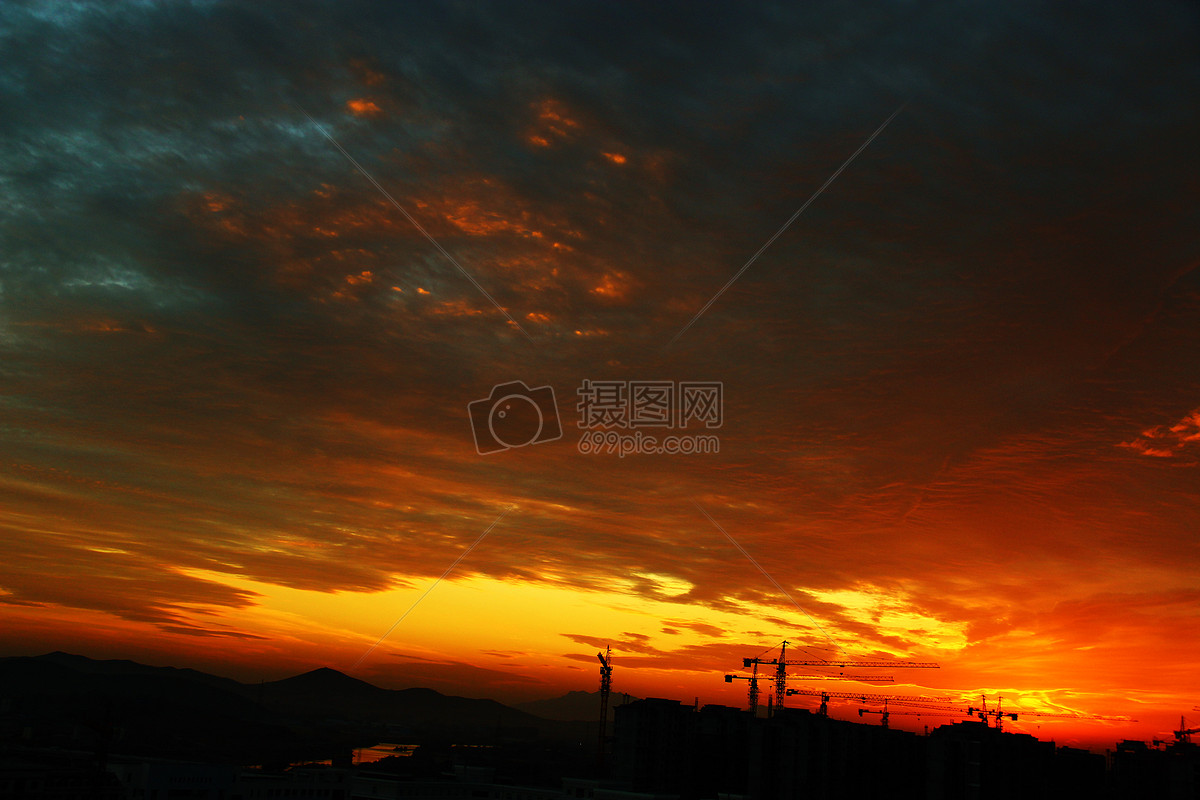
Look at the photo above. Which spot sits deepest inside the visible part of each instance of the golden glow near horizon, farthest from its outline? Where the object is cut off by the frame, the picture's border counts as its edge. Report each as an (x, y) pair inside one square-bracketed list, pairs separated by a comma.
[(503, 616), (536, 639)]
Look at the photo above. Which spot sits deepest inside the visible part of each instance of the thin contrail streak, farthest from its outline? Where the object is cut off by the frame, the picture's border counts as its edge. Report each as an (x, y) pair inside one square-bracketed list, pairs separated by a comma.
[(784, 227), (432, 586), (415, 224), (774, 582)]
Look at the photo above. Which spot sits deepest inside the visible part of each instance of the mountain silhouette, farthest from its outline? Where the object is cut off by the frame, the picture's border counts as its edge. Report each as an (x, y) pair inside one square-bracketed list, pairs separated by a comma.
[(62, 677), (74, 702), (324, 680), (334, 694), (309, 712), (90, 666)]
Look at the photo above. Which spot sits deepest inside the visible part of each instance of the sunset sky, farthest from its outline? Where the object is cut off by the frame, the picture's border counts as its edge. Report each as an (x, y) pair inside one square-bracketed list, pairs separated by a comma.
[(961, 391)]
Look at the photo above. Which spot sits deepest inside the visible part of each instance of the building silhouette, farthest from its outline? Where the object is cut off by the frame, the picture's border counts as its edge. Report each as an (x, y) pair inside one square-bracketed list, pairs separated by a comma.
[(661, 750)]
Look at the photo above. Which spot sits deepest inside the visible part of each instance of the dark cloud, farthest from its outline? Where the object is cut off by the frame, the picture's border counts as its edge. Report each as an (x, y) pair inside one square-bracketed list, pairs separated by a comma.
[(188, 630)]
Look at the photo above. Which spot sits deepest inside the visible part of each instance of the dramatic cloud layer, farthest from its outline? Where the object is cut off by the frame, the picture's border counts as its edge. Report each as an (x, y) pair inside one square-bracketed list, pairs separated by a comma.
[(961, 408)]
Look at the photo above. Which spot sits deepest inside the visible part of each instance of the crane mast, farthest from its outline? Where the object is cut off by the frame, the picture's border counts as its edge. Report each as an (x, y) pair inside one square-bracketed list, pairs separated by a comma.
[(605, 690), (883, 715), (780, 677), (753, 691)]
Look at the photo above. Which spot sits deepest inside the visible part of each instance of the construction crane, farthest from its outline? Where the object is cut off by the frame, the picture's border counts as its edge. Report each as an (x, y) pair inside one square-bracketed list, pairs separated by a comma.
[(857, 678), (931, 706), (1184, 734), (999, 714), (996, 713), (919, 701), (883, 715), (605, 689), (782, 663), (886, 712), (752, 694)]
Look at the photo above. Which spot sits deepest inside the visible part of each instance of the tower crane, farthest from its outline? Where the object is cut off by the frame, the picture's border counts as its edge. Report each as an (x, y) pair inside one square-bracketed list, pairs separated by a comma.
[(782, 663), (1184, 734), (883, 715), (752, 694), (858, 678), (886, 712), (916, 701), (605, 689), (932, 705), (999, 714)]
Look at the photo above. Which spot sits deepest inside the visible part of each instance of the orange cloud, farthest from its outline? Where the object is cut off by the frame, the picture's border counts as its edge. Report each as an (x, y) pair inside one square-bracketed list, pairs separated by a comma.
[(457, 308), (484, 206), (214, 202), (614, 286), (362, 107), (552, 123), (310, 244), (1168, 441)]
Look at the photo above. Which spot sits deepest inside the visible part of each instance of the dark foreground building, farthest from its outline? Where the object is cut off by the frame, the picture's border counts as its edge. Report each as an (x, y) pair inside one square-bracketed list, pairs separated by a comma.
[(663, 748), (797, 753)]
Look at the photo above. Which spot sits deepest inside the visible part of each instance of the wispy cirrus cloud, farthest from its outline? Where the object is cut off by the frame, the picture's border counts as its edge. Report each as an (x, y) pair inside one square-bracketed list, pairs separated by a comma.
[(1170, 441)]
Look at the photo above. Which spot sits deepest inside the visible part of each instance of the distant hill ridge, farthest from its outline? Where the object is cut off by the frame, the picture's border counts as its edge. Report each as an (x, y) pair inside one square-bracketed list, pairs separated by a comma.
[(323, 693)]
